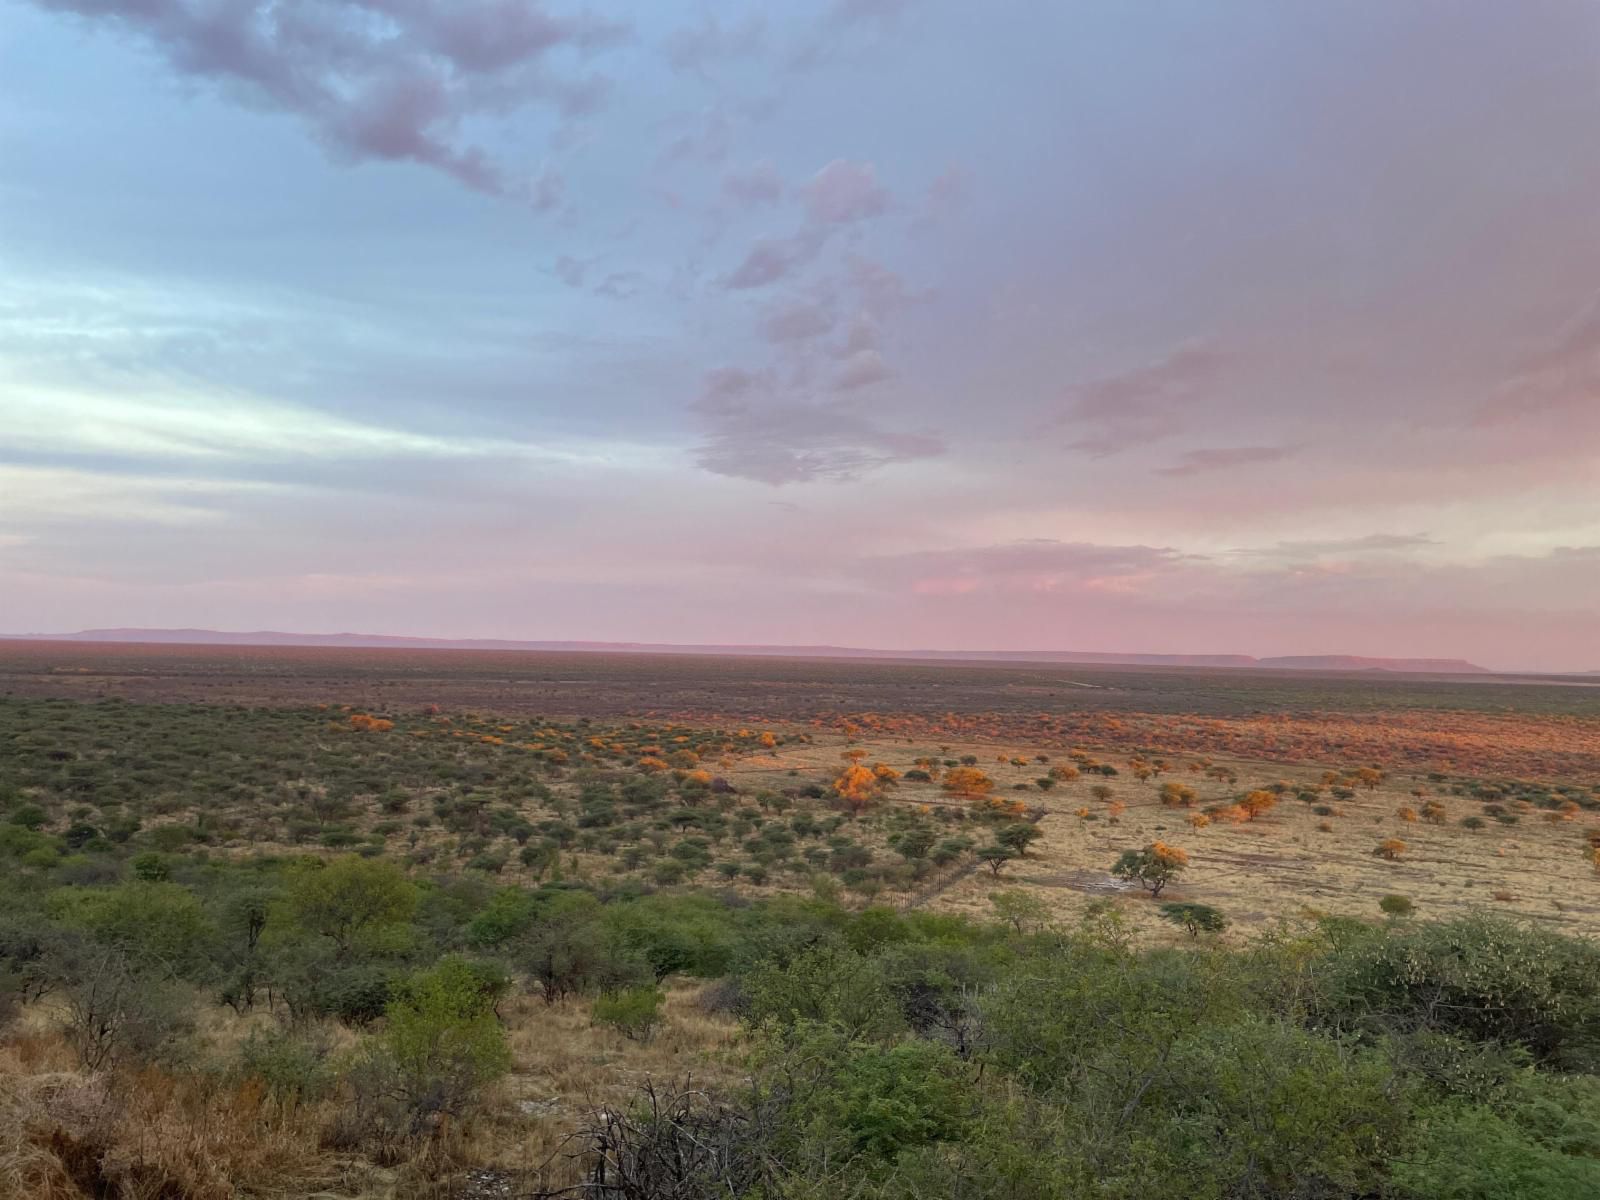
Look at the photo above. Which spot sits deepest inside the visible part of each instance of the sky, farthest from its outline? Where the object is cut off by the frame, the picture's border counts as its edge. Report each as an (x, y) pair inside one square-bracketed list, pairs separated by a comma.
[(1224, 327)]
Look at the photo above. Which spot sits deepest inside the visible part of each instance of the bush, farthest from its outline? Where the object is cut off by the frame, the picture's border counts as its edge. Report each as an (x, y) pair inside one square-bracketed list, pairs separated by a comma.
[(441, 1046), (876, 1101), (1540, 1142), (294, 1066), (28, 816), (150, 867), (161, 927), (1483, 978), (828, 986), (116, 1012), (1397, 906), (1196, 918), (634, 1013), (357, 995), (353, 902)]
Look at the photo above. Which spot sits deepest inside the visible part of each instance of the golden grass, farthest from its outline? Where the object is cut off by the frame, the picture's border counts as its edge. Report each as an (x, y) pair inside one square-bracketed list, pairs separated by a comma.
[(565, 1066), (153, 1133), (167, 1134), (1257, 872)]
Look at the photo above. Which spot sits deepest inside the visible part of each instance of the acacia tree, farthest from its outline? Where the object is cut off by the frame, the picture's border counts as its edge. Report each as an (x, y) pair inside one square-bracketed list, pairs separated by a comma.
[(967, 781), (1256, 803), (1017, 836), (1176, 795), (856, 787), (913, 845), (995, 856), (1157, 865)]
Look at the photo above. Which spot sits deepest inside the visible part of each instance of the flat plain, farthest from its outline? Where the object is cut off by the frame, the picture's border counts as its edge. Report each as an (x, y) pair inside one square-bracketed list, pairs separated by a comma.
[(1511, 766), (367, 924)]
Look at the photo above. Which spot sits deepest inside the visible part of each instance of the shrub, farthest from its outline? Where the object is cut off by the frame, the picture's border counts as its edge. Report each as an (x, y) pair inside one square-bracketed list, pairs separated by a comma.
[(294, 1066), (441, 1045), (160, 927), (1017, 836), (1397, 906), (1485, 978), (116, 1012), (876, 1101), (150, 867), (1540, 1141), (357, 995), (351, 901), (1176, 795), (634, 1013), (1196, 918), (28, 816)]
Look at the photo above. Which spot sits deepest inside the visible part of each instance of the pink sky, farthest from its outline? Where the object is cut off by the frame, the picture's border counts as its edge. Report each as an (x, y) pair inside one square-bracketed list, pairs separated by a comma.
[(1259, 328)]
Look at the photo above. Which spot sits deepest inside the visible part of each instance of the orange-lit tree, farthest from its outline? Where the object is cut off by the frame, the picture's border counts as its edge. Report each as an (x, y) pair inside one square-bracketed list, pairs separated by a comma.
[(1157, 865)]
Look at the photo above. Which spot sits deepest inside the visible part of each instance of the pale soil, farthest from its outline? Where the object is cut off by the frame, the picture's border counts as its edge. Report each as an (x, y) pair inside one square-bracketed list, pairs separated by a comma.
[(1280, 865)]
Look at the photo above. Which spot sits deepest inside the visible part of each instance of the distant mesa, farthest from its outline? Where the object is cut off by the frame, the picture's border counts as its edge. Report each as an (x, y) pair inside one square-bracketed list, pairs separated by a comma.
[(1349, 662), (1299, 662)]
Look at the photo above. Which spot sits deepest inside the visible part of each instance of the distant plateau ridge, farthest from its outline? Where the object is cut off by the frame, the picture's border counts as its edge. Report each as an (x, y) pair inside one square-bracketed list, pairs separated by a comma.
[(1293, 662)]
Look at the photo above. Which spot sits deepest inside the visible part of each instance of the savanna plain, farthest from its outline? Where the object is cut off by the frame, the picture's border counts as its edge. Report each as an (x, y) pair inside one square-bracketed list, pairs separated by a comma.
[(361, 923)]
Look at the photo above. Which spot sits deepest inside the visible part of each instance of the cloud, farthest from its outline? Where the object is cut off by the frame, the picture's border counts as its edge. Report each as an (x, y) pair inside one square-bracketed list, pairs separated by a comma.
[(708, 138), (620, 285), (547, 190), (777, 440), (754, 186), (883, 291), (387, 80), (862, 335), (1122, 411), (571, 271), (1372, 543), (694, 47), (767, 261), (1560, 377), (861, 369), (948, 193), (1198, 462), (1032, 565), (844, 192), (801, 443), (798, 321), (726, 389)]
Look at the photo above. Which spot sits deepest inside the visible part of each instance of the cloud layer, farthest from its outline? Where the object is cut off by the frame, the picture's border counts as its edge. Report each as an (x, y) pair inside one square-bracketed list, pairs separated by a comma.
[(380, 79)]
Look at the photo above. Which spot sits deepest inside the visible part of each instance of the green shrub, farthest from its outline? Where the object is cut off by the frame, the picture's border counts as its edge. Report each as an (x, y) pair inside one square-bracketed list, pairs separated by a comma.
[(1397, 906), (28, 816), (635, 1013), (1195, 918), (1484, 978), (294, 1066)]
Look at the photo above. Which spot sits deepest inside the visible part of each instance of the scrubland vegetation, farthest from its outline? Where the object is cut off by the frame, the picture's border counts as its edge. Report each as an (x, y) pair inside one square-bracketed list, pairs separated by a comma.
[(358, 951)]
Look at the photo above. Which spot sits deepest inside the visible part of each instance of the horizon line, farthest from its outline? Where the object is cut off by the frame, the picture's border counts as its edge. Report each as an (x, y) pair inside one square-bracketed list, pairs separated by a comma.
[(196, 635)]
